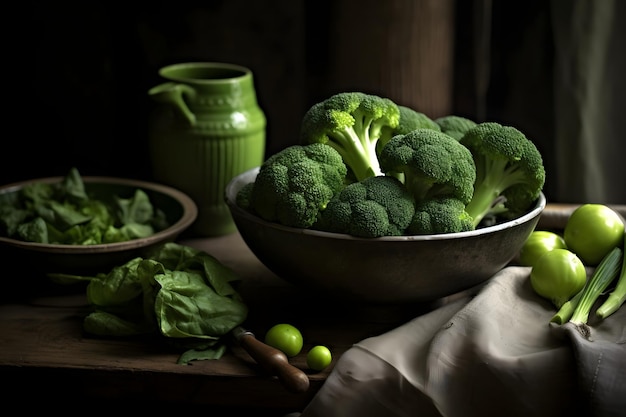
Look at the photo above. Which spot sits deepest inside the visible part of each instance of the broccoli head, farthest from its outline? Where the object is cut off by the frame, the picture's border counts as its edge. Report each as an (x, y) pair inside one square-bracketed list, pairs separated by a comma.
[(377, 206), (411, 119), (243, 196), (295, 184), (352, 123), (509, 171), (432, 163), (455, 126), (440, 215)]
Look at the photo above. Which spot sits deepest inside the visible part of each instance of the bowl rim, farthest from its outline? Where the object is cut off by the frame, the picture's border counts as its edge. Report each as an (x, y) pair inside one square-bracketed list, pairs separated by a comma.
[(240, 180), (189, 215)]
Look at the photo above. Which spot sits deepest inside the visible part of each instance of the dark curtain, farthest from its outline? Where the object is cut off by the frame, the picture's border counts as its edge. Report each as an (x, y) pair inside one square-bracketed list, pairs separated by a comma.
[(77, 76)]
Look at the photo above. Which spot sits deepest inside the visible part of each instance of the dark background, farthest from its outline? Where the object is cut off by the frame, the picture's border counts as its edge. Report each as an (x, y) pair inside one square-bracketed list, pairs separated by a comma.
[(78, 73)]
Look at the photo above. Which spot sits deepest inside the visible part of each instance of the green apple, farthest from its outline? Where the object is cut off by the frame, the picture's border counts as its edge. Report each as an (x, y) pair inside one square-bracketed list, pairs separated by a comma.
[(592, 231), (538, 243)]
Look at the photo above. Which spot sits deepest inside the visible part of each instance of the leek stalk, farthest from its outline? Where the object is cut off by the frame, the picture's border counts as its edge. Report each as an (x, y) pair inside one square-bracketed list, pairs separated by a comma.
[(618, 295), (566, 310), (602, 277)]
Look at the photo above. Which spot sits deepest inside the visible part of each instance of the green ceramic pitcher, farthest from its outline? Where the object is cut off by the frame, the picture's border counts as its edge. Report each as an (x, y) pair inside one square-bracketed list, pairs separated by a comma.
[(207, 128)]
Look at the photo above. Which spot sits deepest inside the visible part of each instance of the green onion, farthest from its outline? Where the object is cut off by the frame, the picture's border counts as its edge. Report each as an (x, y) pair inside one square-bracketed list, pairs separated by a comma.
[(602, 277), (617, 296), (566, 310)]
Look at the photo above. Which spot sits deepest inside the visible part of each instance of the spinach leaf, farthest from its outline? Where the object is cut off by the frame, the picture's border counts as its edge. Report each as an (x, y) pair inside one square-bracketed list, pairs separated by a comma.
[(176, 291), (64, 213)]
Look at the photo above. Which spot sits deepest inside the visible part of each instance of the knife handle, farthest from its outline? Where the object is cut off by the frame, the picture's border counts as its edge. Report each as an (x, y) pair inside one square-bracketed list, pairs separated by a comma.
[(275, 362)]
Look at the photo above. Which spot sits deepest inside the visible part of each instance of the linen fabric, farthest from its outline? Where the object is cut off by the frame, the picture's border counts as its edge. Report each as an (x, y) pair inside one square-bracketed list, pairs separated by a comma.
[(489, 354)]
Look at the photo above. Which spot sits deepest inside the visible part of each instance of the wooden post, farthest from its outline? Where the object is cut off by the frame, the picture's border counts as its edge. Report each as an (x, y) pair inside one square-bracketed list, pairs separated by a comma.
[(400, 49)]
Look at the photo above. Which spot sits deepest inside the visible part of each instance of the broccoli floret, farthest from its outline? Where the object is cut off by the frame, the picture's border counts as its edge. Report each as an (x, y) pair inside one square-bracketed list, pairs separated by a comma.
[(243, 196), (433, 164), (295, 184), (440, 215), (352, 123), (377, 206), (411, 119), (455, 126), (509, 171)]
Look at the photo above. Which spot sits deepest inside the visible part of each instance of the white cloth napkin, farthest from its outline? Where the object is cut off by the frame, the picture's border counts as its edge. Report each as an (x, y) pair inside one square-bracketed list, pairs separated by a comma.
[(493, 354)]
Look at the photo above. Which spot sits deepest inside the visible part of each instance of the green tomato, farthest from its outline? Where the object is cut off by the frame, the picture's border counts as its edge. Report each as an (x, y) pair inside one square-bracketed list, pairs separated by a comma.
[(558, 275), (286, 338), (538, 243), (318, 358), (592, 231)]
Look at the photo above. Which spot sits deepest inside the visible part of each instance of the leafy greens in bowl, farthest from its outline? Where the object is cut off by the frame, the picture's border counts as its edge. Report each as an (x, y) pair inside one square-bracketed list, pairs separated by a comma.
[(99, 222)]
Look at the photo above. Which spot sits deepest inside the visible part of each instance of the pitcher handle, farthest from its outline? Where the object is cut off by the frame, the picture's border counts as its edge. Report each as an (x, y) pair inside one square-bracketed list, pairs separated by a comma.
[(175, 94)]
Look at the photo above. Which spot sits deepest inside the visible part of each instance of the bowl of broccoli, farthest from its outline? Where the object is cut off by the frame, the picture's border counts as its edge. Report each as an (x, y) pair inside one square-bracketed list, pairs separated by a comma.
[(379, 203), (87, 225)]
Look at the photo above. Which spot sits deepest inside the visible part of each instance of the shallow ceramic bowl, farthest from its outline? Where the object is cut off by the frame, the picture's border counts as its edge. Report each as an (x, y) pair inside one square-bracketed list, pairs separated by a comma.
[(180, 211), (386, 270)]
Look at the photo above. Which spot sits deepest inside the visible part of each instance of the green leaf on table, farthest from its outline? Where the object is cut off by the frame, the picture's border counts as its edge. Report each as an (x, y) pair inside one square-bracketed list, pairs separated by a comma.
[(209, 353), (102, 323), (181, 293)]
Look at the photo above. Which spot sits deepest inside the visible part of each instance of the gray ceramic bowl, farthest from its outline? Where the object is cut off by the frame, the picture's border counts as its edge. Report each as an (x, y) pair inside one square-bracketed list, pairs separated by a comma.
[(386, 270), (179, 209)]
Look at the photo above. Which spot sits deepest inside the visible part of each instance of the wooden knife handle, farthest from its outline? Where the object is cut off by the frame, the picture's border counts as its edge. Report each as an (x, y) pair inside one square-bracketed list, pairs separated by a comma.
[(275, 362)]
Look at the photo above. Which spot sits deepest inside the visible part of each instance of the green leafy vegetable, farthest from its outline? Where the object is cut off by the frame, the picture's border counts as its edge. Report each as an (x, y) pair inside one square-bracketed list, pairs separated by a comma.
[(434, 165), (64, 213), (179, 292), (377, 206), (356, 124), (602, 277), (455, 126), (617, 297), (509, 171), (566, 310), (295, 184), (462, 175)]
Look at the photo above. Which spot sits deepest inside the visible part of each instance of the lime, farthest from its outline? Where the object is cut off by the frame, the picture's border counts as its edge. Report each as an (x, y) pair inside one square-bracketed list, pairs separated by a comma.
[(286, 338), (318, 358)]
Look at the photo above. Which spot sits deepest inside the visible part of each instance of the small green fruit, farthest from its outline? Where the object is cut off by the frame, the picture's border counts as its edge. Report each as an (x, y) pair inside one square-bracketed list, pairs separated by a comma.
[(538, 243), (558, 275), (286, 338), (318, 358), (592, 231)]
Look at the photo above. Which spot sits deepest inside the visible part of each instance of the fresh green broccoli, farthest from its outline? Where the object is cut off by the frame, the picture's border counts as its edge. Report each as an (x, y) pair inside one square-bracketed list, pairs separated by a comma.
[(352, 123), (433, 165), (243, 196), (295, 184), (455, 126), (509, 171), (411, 119), (440, 215), (377, 206)]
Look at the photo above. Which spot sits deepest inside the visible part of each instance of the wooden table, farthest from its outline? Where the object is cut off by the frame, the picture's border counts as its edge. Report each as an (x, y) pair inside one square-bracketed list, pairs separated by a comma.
[(45, 353), (46, 357)]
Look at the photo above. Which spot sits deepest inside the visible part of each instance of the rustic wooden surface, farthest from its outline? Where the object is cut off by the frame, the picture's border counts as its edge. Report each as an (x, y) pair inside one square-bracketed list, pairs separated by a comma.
[(46, 355), (42, 343)]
